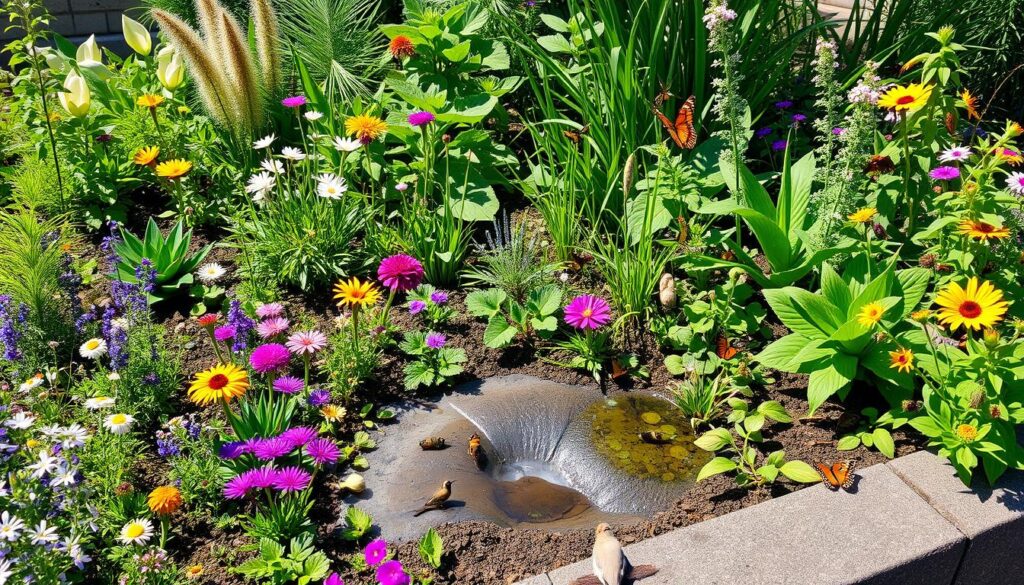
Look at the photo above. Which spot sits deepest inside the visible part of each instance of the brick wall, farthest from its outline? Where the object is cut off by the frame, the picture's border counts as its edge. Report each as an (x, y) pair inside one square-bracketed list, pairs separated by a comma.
[(81, 18)]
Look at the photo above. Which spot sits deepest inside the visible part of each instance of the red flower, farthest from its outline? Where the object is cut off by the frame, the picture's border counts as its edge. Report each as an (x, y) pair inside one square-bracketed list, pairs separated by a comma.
[(401, 47), (207, 320)]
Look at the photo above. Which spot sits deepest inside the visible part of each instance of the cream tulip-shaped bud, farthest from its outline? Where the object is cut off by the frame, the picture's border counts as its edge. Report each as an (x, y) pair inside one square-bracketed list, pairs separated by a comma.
[(89, 53), (667, 291), (170, 69), (77, 98), (353, 483), (136, 36)]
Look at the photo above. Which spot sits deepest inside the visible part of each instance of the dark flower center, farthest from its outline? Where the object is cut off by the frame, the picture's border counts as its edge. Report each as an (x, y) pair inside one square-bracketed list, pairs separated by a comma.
[(907, 99), (970, 309), (218, 381)]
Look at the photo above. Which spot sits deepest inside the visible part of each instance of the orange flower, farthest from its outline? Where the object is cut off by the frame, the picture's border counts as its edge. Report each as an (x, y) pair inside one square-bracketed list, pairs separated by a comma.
[(981, 230), (147, 155), (164, 500), (401, 47), (970, 104), (902, 360), (149, 100)]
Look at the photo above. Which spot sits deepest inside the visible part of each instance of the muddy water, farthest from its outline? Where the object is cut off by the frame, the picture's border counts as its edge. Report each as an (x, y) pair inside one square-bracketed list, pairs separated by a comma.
[(554, 458)]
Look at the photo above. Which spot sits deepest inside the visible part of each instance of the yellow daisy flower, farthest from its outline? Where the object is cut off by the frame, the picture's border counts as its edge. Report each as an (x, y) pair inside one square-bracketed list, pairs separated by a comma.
[(870, 314), (906, 98), (333, 413), (863, 215), (147, 155), (976, 307), (355, 293), (173, 169), (149, 100), (902, 360), (982, 230), (219, 383), (921, 316), (365, 127), (193, 572), (968, 433)]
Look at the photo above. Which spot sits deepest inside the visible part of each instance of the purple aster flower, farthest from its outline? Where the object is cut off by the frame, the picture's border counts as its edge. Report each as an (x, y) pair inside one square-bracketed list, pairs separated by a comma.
[(439, 297), (269, 357), (415, 307), (270, 449), (400, 272), (262, 477), (234, 450), (272, 327), (289, 385), (763, 132), (224, 332), (243, 325), (784, 104), (588, 312), (237, 486), (167, 447), (323, 451), (375, 552), (418, 119), (270, 310), (295, 101), (291, 479), (780, 145), (837, 131), (436, 340), (298, 436), (944, 173), (392, 573), (797, 118), (319, 398)]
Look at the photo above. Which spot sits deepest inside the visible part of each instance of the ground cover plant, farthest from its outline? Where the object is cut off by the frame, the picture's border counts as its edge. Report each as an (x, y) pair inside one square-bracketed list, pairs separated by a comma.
[(229, 256)]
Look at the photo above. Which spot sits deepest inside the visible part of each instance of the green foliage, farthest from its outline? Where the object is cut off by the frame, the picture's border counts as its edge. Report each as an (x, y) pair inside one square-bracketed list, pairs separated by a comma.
[(703, 397), (430, 366), (286, 516), (511, 261), (169, 256), (870, 434), (302, 564), (357, 524), (348, 362), (508, 319), (431, 548)]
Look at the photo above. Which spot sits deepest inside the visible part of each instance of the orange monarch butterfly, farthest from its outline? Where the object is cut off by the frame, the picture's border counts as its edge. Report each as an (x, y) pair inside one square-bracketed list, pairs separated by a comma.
[(663, 94), (575, 135), (838, 475), (724, 349), (682, 130)]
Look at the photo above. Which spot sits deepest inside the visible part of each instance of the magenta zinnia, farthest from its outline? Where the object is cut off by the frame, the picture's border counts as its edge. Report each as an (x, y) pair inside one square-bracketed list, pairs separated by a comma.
[(392, 573), (588, 312), (298, 436), (295, 101), (375, 552), (237, 487), (270, 449), (944, 173), (420, 118), (269, 357), (323, 451), (400, 272), (289, 385)]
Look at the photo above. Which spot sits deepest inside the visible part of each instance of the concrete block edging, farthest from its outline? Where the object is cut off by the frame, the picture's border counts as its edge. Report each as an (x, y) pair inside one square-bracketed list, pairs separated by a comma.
[(909, 521)]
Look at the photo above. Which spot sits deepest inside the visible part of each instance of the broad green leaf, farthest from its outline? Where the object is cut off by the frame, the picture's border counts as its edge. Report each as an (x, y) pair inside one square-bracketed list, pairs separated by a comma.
[(780, 353), (926, 426), (800, 472), (716, 466), (714, 439), (803, 312), (848, 443), (834, 288), (499, 333), (431, 548), (457, 53), (775, 411), (884, 442), (485, 303), (829, 380)]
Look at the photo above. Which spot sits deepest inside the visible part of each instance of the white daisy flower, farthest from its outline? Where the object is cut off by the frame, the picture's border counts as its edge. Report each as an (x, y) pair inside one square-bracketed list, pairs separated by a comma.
[(5, 570), (99, 402), (292, 153), (93, 349), (261, 183), (43, 534), (10, 527), (46, 464), (74, 436), (51, 430), (347, 144), (64, 476), (1015, 183), (119, 423), (330, 186), (313, 115), (138, 531), (211, 272), (20, 421), (32, 383), (264, 142), (272, 166), (955, 154)]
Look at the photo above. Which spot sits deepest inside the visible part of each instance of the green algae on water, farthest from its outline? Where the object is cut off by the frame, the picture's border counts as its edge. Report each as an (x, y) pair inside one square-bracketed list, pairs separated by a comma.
[(616, 425)]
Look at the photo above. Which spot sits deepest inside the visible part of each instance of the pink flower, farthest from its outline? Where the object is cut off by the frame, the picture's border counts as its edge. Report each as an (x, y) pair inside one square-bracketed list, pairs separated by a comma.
[(272, 327), (334, 579), (588, 312), (261, 478), (298, 436), (269, 357), (420, 118), (944, 173), (270, 310), (436, 340), (375, 552), (237, 487), (225, 332), (270, 449), (323, 450), (295, 101), (392, 573), (291, 479), (1015, 183), (400, 272), (306, 342), (289, 385)]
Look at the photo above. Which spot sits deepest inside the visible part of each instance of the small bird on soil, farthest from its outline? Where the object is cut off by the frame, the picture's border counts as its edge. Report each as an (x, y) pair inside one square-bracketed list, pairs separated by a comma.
[(476, 451), (611, 567), (437, 501), (433, 444)]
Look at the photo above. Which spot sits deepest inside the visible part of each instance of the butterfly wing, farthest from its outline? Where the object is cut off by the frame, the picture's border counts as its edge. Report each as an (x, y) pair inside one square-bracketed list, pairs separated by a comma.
[(827, 476), (685, 132), (668, 126), (724, 349), (835, 476)]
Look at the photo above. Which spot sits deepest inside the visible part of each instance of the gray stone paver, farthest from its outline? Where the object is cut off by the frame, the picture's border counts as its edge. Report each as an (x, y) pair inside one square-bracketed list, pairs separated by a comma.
[(883, 533), (992, 518)]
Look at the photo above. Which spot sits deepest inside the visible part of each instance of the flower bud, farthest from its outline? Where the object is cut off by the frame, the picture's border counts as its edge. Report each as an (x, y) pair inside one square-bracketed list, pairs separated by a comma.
[(667, 291), (170, 69), (136, 36), (77, 98), (89, 53), (354, 483)]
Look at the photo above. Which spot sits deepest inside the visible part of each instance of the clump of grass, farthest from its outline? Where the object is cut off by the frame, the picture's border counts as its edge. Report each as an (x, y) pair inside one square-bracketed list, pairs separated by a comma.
[(512, 260)]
